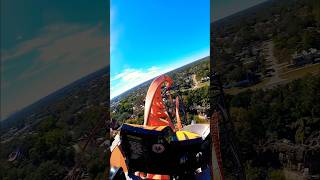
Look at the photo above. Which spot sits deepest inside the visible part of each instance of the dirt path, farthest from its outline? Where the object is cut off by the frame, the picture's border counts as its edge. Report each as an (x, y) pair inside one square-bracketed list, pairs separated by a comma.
[(293, 175), (275, 79), (196, 83)]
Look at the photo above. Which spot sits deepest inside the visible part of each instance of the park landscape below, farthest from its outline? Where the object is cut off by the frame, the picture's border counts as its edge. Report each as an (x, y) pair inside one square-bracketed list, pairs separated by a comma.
[(271, 78), (268, 58)]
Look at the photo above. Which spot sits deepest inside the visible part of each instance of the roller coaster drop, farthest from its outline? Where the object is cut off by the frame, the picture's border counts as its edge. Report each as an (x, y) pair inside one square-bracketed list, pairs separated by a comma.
[(160, 149)]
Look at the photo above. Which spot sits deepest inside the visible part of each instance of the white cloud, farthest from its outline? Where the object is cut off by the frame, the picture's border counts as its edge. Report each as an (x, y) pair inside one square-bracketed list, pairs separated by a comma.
[(64, 53), (131, 77), (82, 46), (46, 37)]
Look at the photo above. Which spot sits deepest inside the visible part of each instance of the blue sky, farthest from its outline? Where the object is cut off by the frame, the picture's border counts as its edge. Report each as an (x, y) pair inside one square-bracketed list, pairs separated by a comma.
[(149, 38), (152, 37), (46, 45)]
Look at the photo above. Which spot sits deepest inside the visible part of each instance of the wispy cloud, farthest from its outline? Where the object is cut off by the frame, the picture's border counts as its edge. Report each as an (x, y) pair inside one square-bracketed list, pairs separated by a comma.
[(63, 54), (131, 77), (46, 36), (59, 39)]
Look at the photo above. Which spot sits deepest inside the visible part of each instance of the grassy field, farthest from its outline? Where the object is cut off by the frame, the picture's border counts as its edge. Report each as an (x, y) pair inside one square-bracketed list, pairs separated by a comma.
[(288, 75), (300, 72), (236, 90), (203, 84)]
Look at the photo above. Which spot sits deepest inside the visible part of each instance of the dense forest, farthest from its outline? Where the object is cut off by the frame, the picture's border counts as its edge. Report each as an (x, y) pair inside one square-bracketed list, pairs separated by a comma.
[(275, 128), (290, 112), (239, 42), (272, 96), (49, 141), (130, 108)]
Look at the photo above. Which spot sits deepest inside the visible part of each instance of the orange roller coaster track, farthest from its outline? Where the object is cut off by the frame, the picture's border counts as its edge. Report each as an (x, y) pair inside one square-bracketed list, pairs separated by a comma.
[(156, 114)]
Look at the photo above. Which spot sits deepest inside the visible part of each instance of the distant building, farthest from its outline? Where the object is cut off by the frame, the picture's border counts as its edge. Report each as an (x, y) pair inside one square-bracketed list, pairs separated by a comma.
[(305, 57), (205, 79)]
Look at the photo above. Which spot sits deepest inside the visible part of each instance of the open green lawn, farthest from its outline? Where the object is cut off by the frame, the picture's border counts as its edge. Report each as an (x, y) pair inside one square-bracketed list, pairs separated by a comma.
[(288, 75), (203, 84), (236, 90), (300, 72)]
